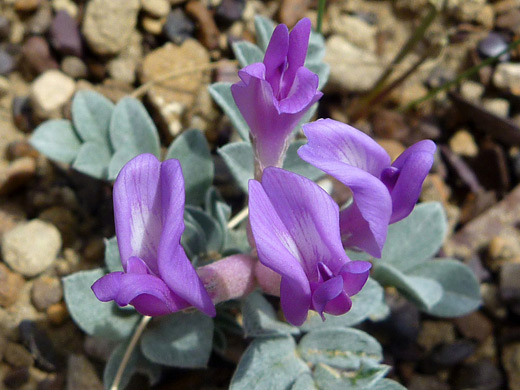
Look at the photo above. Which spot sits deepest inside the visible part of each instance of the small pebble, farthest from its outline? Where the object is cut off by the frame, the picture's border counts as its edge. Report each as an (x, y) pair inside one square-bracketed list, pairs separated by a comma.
[(10, 285), (153, 25), (229, 11), (16, 378), (207, 29), (37, 55), (22, 113), (50, 92), (509, 286), (46, 291), (463, 144), (85, 375), (40, 21), (17, 174), (156, 8), (65, 5), (74, 67), (474, 326), (26, 5), (31, 247), (492, 45), (5, 28), (65, 35), (483, 375), (7, 63), (178, 26), (57, 313), (17, 356), (39, 344)]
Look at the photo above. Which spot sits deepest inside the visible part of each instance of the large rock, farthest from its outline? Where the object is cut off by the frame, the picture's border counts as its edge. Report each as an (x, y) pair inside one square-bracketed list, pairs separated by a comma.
[(352, 69), (31, 247), (173, 97), (108, 24), (50, 92)]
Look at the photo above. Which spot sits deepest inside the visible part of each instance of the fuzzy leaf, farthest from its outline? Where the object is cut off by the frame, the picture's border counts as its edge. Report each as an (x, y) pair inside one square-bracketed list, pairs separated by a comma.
[(91, 114), (264, 28), (295, 164), (112, 258), (192, 150), (103, 319), (221, 93), (179, 340), (238, 157), (247, 53), (366, 377), (57, 140), (93, 159), (210, 227)]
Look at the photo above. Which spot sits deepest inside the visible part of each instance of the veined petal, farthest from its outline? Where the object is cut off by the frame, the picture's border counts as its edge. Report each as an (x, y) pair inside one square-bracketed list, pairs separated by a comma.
[(137, 210), (339, 305), (295, 299), (303, 92), (310, 216), (276, 56), (335, 141), (106, 288), (414, 163), (355, 274), (298, 45), (256, 70), (135, 265)]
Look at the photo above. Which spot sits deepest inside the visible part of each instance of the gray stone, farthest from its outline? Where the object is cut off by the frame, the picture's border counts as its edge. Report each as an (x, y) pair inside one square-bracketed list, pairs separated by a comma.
[(74, 67), (31, 247), (46, 291), (108, 24), (50, 92)]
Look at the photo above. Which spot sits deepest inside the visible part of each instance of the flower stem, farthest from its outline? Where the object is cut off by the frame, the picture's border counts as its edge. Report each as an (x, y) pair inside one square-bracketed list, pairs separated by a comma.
[(321, 12), (178, 73), (238, 218), (131, 346)]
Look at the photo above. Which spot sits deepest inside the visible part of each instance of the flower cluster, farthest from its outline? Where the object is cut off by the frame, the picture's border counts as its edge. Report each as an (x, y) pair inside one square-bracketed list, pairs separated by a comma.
[(297, 229)]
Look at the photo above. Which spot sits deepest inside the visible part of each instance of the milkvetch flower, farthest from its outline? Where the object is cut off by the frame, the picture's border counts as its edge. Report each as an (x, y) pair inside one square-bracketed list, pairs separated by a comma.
[(275, 94), (295, 227), (383, 192), (158, 277)]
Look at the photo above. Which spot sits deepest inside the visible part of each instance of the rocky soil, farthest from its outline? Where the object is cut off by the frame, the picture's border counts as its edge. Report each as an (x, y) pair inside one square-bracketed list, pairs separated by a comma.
[(53, 219)]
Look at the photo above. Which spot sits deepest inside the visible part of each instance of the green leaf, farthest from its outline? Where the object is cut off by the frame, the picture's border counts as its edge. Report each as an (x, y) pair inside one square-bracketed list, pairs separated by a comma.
[(136, 364), (461, 291), (267, 364), (304, 382), (91, 114), (132, 132), (192, 150), (179, 340), (210, 227), (193, 239), (264, 29), (93, 159), (247, 53), (112, 258), (221, 93), (344, 348), (364, 304), (295, 164), (316, 50), (422, 290), (416, 238), (57, 140), (387, 384), (103, 319), (238, 157), (368, 375), (260, 318), (322, 70)]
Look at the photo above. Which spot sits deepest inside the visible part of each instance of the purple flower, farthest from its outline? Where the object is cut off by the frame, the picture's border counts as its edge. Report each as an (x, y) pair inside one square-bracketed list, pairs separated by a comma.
[(158, 278), (295, 227), (383, 193), (275, 94)]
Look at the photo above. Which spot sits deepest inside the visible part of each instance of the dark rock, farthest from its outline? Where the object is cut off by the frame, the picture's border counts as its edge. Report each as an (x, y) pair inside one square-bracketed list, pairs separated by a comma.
[(509, 286), (39, 344), (229, 11), (178, 26), (65, 35), (5, 28), (492, 45), (451, 354), (482, 375), (16, 378), (207, 30), (7, 63), (22, 113), (38, 56), (426, 382), (19, 149)]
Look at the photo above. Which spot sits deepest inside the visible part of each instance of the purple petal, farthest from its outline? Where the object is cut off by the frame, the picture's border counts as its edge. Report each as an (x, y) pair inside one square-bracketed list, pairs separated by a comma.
[(330, 140), (276, 56), (136, 266), (310, 217), (295, 299), (298, 45), (106, 288), (303, 93), (137, 210), (414, 163), (256, 70), (326, 292), (147, 293), (174, 266), (355, 274), (339, 305)]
